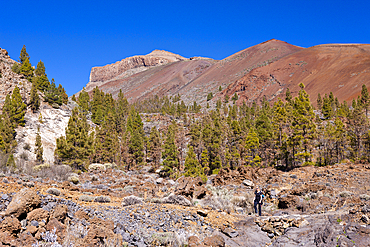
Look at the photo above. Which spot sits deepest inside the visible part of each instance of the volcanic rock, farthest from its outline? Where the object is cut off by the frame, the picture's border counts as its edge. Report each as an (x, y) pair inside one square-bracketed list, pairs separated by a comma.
[(23, 202)]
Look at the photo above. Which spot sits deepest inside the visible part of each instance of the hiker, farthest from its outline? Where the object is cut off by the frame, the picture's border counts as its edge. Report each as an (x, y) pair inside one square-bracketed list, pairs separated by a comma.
[(258, 200)]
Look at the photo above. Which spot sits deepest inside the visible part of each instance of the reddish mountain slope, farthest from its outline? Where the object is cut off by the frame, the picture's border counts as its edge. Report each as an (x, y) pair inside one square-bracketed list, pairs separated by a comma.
[(235, 67), (337, 68), (193, 78)]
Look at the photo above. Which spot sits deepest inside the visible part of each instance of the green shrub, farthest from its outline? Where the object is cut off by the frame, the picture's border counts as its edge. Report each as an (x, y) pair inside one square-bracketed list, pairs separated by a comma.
[(16, 68)]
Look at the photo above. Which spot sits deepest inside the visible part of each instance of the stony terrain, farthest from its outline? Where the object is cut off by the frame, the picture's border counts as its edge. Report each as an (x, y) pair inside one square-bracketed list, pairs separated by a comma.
[(308, 206)]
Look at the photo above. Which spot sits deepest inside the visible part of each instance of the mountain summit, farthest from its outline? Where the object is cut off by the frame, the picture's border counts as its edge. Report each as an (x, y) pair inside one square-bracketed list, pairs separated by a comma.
[(164, 73), (130, 66)]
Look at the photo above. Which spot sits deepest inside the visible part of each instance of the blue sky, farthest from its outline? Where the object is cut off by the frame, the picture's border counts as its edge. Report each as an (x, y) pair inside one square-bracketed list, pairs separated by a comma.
[(70, 37)]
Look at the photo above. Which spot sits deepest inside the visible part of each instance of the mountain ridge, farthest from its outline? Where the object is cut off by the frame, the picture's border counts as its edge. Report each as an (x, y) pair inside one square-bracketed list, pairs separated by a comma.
[(193, 78), (341, 69)]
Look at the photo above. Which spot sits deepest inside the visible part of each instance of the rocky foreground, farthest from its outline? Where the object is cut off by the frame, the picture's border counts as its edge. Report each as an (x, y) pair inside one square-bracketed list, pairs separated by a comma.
[(308, 206)]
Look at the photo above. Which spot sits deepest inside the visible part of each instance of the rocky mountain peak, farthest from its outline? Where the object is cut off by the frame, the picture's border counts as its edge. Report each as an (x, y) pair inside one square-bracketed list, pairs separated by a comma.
[(166, 54), (130, 66)]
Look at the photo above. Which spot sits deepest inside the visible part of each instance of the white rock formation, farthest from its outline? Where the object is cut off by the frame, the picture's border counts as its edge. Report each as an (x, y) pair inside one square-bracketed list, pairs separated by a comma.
[(54, 122)]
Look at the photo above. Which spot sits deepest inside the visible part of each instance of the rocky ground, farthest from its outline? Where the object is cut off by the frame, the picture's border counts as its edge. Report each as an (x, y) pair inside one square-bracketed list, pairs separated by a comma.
[(308, 206)]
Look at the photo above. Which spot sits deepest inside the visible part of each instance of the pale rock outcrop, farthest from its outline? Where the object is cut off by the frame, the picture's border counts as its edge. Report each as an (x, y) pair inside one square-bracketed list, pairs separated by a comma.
[(52, 126), (130, 66)]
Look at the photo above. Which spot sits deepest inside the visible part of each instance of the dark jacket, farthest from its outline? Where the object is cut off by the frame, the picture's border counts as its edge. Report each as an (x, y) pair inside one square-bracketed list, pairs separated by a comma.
[(258, 196)]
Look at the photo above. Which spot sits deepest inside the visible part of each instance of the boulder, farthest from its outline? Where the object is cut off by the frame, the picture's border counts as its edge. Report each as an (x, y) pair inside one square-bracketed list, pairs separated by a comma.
[(193, 241), (96, 167), (214, 241), (188, 185), (345, 194), (25, 240), (159, 181), (23, 202), (38, 215), (108, 165), (248, 183), (53, 191), (176, 199), (73, 179), (287, 201), (11, 225), (60, 212), (365, 197), (86, 198), (58, 228), (200, 192)]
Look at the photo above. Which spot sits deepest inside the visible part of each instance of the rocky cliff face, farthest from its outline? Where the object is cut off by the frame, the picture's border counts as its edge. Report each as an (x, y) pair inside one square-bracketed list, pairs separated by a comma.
[(9, 80), (52, 125), (130, 66)]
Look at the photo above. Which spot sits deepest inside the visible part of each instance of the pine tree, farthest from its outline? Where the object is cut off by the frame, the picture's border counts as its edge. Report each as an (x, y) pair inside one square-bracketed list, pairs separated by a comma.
[(226, 99), (155, 146), (7, 134), (15, 108), (76, 147), (340, 139), (52, 95), (34, 99), (26, 69), (192, 166), (196, 138), (11, 161), (63, 97), (41, 82), (136, 141), (218, 104), (303, 125), (24, 55), (327, 109), (265, 135), (121, 112), (288, 95), (252, 146), (319, 102), (170, 153), (235, 97), (365, 98), (39, 149), (205, 162), (83, 101), (357, 127), (40, 69), (106, 141)]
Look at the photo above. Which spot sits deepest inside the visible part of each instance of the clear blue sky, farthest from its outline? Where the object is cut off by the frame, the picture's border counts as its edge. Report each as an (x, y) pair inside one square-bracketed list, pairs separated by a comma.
[(70, 37)]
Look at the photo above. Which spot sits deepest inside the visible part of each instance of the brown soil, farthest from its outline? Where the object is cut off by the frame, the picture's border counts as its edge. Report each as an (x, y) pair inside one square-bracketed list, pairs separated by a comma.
[(341, 69)]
